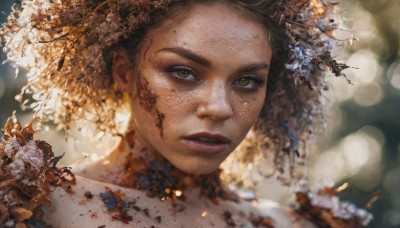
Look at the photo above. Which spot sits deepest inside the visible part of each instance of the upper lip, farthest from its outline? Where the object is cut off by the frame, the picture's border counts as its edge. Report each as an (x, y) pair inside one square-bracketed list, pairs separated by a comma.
[(219, 137)]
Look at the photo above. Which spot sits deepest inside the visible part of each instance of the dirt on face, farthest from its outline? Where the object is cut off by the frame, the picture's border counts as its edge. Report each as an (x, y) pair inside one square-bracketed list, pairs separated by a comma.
[(159, 119), (148, 99)]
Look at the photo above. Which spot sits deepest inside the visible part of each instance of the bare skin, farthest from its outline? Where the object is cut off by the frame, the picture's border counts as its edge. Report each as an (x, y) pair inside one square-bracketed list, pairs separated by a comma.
[(189, 78), (98, 177), (73, 210)]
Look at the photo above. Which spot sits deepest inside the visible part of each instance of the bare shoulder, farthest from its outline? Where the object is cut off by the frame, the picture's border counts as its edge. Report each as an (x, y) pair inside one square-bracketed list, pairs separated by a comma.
[(97, 204), (85, 205), (93, 203)]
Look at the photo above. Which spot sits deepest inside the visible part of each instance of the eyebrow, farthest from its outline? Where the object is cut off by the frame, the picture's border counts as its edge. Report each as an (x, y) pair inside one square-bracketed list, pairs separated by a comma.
[(204, 62), (254, 67), (189, 55)]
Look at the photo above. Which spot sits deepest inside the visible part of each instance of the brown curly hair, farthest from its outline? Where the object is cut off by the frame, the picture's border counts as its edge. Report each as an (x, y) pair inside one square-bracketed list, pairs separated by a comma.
[(67, 49)]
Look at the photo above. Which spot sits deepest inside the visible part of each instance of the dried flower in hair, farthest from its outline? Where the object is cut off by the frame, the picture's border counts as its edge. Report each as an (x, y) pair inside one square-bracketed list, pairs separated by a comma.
[(325, 210)]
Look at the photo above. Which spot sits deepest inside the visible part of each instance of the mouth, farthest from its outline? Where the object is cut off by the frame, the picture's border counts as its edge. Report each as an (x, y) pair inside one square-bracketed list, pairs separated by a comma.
[(206, 143)]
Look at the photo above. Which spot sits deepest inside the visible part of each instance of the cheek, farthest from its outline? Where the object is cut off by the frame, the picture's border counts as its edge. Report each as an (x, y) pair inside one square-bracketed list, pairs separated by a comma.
[(248, 110), (175, 100), (178, 106), (144, 99), (173, 105), (247, 114)]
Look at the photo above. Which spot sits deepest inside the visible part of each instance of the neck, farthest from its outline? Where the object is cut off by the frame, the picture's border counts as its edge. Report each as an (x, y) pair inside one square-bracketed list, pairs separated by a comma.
[(145, 169)]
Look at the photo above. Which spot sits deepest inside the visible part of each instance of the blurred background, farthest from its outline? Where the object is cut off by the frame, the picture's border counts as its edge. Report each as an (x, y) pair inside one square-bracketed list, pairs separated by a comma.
[(362, 144)]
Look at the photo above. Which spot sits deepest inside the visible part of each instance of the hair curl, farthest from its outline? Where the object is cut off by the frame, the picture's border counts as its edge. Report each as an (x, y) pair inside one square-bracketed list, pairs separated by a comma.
[(65, 45)]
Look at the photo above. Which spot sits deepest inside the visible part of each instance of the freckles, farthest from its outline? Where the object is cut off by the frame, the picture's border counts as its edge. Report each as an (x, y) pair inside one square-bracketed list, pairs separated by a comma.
[(178, 106), (249, 109), (177, 99), (173, 99), (147, 100), (244, 111)]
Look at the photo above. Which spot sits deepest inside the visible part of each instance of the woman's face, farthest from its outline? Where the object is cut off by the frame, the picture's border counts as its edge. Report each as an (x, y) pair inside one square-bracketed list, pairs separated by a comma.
[(198, 85)]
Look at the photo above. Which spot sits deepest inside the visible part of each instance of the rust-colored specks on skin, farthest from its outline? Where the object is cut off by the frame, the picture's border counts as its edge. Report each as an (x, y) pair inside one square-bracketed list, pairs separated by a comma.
[(160, 118), (116, 205), (148, 100)]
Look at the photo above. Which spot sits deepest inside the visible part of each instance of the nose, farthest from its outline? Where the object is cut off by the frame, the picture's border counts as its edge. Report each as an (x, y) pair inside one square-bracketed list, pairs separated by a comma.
[(215, 104)]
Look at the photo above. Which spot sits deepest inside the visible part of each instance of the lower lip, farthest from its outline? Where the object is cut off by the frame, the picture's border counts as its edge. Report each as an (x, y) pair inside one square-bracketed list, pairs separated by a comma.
[(205, 147)]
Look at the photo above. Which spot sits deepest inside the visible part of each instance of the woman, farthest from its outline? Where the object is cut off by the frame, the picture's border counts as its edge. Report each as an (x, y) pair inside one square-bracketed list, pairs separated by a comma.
[(196, 76)]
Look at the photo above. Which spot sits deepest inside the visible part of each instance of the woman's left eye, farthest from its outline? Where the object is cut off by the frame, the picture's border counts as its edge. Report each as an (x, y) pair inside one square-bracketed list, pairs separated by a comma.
[(182, 72), (249, 82)]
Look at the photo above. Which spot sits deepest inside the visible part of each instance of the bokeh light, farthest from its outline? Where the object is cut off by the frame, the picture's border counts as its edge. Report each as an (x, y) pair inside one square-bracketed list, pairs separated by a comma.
[(365, 67), (359, 151), (369, 94), (393, 217), (394, 74)]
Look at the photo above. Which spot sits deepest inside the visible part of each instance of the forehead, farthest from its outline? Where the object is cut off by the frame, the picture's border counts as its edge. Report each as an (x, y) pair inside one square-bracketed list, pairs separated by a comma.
[(214, 28)]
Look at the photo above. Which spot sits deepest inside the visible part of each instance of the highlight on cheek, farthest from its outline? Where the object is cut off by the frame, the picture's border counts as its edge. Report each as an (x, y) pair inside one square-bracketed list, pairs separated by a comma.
[(148, 99)]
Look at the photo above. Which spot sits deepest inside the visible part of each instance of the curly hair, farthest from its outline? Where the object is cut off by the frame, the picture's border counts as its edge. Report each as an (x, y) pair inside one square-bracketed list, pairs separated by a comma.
[(67, 47)]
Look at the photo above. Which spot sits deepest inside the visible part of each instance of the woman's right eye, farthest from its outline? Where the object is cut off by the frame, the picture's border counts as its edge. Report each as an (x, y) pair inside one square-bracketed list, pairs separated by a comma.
[(184, 73)]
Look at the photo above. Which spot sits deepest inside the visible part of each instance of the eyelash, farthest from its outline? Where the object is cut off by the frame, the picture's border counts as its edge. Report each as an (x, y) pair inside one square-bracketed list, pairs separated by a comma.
[(258, 83), (176, 69)]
